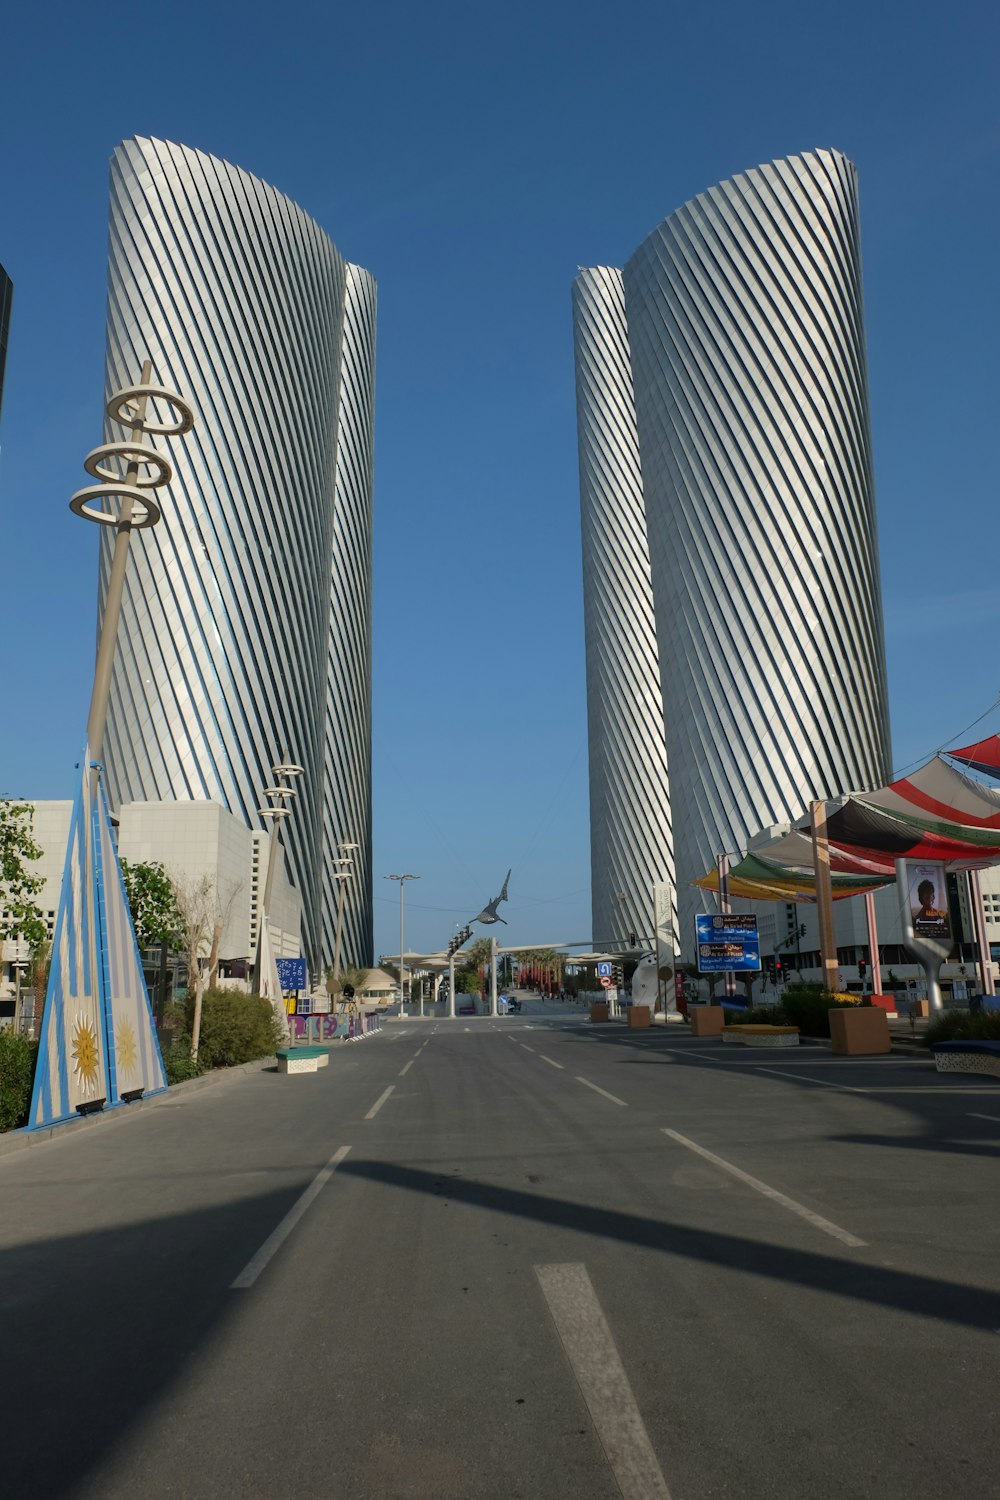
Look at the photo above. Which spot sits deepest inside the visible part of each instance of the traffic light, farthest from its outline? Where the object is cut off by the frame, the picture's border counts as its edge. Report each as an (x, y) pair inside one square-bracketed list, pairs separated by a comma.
[(618, 975), (631, 939), (862, 967), (769, 969), (777, 970)]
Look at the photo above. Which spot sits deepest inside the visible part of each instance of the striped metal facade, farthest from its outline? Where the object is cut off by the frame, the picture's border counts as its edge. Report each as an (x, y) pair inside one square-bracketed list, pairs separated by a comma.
[(246, 624), (746, 333), (631, 846)]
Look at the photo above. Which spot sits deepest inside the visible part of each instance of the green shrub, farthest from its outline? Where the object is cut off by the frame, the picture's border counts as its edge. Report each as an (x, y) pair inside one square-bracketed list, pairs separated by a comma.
[(756, 1015), (178, 1063), (17, 1071), (964, 1025), (807, 1006), (235, 1028)]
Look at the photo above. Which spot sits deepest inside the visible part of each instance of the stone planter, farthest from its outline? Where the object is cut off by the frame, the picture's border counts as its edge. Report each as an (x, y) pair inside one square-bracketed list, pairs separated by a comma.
[(860, 1031), (706, 1020), (762, 1036), (599, 1010), (638, 1016)]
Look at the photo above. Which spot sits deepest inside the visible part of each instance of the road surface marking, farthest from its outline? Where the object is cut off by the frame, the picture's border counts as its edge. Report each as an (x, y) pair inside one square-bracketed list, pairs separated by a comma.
[(409, 1065), (845, 1088), (994, 1118), (526, 1047), (816, 1220), (593, 1086), (594, 1359), (380, 1101), (551, 1061), (274, 1241)]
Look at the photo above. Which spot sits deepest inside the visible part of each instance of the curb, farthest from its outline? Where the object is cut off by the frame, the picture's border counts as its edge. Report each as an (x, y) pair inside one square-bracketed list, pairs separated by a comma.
[(14, 1141)]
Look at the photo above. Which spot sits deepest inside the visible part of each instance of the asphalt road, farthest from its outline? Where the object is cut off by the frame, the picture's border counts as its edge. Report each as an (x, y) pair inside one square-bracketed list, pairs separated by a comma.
[(513, 1259)]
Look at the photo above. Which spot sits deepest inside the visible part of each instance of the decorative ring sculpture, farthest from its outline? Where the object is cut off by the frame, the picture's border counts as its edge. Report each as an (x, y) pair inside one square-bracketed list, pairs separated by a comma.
[(145, 511), (274, 812), (118, 410), (279, 791), (136, 453), (289, 770), (136, 509)]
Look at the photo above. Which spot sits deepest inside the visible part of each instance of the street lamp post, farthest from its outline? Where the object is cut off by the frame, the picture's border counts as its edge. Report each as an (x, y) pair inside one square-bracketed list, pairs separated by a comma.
[(402, 881), (342, 876), (275, 812)]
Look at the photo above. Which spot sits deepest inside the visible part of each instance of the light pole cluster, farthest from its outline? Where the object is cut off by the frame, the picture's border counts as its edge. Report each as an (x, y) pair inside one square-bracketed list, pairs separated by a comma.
[(278, 796), (342, 875), (402, 881)]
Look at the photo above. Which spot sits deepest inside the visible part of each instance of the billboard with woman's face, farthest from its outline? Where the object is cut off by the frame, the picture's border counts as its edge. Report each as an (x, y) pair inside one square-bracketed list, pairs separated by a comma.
[(927, 892)]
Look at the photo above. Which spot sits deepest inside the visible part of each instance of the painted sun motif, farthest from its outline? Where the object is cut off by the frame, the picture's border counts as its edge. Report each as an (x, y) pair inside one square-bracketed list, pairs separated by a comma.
[(128, 1050), (86, 1053)]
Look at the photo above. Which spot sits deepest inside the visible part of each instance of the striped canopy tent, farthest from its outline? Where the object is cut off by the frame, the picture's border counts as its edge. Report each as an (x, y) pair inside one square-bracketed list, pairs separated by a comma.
[(983, 756), (936, 813), (783, 871)]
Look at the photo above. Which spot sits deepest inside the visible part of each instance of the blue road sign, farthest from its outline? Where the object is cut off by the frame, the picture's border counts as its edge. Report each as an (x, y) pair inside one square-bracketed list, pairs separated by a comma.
[(291, 973), (604, 970), (727, 943)]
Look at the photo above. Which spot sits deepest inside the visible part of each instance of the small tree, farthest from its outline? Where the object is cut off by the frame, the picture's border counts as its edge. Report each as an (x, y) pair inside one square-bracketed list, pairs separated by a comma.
[(152, 900), (197, 907), (19, 914)]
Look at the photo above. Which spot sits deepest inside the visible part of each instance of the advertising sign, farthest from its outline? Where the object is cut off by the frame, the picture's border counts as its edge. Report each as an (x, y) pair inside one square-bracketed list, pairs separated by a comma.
[(927, 895), (292, 973), (729, 942)]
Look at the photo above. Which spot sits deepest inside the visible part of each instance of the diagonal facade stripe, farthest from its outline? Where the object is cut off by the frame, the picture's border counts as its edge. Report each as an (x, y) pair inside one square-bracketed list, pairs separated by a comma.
[(246, 622), (631, 845), (746, 333)]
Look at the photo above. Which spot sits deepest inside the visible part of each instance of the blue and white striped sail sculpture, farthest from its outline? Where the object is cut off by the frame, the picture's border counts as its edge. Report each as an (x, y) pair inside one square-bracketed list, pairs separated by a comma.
[(98, 1044)]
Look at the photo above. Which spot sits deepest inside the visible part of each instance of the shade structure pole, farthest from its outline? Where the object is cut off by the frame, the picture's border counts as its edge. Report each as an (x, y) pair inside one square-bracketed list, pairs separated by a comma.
[(725, 907), (824, 896), (873, 942), (451, 986)]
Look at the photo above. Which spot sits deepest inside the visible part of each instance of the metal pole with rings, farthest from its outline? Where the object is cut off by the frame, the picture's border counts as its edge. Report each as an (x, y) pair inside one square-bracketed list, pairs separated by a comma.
[(144, 470)]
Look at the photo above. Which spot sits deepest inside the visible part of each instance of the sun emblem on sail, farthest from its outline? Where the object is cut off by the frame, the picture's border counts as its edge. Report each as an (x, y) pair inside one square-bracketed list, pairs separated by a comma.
[(128, 1050), (86, 1054)]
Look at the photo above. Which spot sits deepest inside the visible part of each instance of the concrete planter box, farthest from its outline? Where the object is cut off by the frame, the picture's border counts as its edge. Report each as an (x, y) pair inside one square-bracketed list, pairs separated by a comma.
[(859, 1032), (599, 1010), (706, 1020), (967, 1057), (638, 1016), (302, 1059), (762, 1036)]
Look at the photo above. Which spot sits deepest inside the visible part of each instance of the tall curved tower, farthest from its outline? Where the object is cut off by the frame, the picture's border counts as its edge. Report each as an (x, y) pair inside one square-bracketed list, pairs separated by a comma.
[(631, 847), (748, 356), (246, 622)]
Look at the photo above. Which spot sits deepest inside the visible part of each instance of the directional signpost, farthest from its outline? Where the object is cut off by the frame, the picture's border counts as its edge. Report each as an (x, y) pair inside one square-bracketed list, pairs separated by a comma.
[(727, 943)]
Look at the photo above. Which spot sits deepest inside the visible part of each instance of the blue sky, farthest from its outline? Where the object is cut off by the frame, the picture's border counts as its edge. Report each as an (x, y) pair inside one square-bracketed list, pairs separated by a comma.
[(472, 157)]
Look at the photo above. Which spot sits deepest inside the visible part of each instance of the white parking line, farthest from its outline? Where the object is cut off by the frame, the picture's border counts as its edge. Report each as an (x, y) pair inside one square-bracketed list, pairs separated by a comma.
[(274, 1241), (816, 1220), (594, 1359), (845, 1088), (612, 1097), (994, 1118), (551, 1061), (379, 1102)]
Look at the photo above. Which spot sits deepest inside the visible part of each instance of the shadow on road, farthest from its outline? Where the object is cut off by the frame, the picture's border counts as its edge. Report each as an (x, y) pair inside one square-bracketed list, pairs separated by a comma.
[(928, 1296)]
